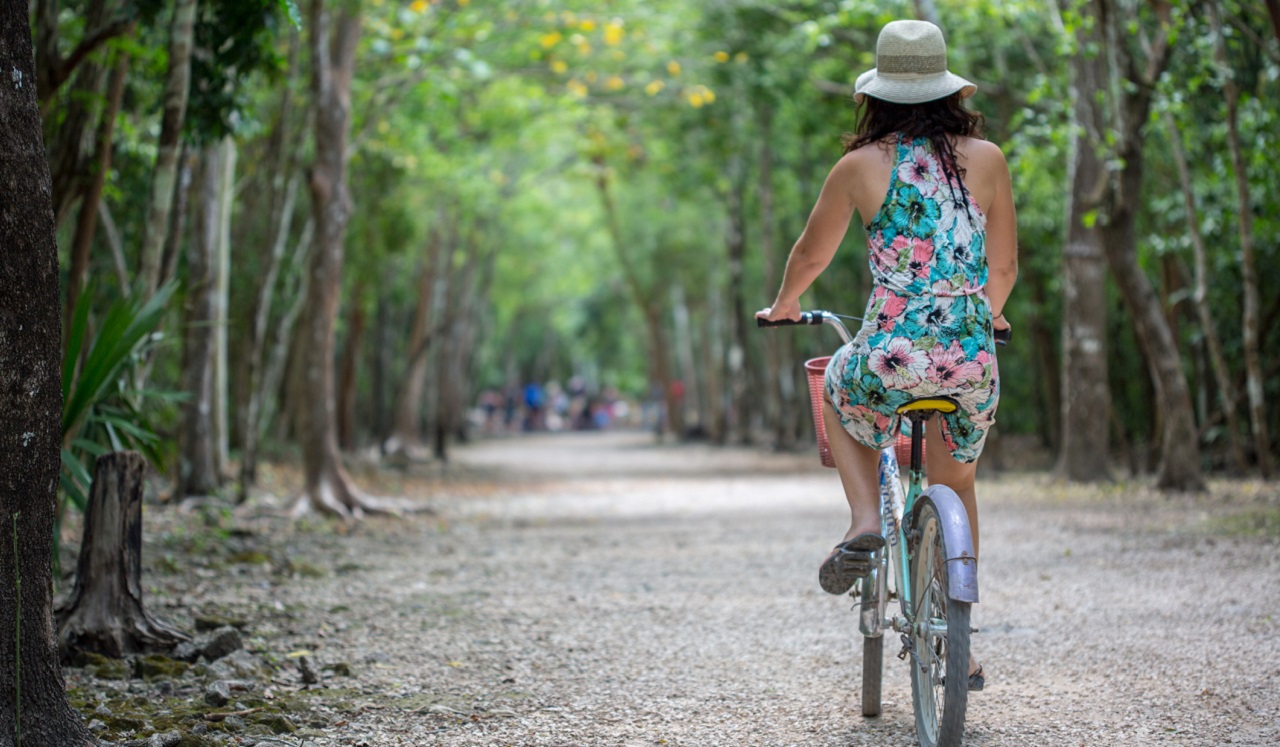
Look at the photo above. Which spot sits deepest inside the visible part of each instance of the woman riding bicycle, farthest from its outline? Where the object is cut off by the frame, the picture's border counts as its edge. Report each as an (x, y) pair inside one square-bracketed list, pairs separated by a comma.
[(942, 244)]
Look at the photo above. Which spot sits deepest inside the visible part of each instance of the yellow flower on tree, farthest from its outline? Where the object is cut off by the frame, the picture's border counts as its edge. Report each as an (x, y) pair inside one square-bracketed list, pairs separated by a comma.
[(695, 99), (721, 56), (614, 83), (673, 67), (550, 40), (577, 89), (741, 57), (613, 33), (559, 66), (418, 6), (654, 87), (588, 25)]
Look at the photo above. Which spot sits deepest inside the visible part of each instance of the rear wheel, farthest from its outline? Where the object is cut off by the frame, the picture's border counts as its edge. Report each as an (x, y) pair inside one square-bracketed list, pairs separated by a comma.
[(940, 640)]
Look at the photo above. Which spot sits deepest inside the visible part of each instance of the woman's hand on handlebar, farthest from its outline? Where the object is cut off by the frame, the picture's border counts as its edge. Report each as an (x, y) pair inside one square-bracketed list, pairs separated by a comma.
[(780, 311)]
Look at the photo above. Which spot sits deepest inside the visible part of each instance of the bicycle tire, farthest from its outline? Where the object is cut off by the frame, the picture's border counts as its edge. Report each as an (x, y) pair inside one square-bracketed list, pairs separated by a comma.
[(872, 674), (940, 639)]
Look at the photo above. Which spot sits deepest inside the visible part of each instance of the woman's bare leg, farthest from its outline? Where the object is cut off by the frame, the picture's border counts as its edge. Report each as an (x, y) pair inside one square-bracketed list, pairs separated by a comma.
[(943, 469), (858, 466)]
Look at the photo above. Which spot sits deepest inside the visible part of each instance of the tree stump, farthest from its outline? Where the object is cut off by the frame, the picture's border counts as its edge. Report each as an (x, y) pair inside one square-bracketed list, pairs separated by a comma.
[(104, 613)]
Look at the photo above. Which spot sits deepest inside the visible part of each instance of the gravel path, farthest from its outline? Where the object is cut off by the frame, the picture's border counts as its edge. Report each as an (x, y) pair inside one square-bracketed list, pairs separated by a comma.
[(602, 590)]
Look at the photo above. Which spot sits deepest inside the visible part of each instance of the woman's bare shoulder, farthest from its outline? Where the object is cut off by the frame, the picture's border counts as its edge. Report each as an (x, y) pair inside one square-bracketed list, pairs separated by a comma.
[(980, 153)]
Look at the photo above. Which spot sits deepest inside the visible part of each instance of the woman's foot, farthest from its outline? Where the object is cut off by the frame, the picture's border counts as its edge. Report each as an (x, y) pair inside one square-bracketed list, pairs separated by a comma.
[(977, 680), (848, 562)]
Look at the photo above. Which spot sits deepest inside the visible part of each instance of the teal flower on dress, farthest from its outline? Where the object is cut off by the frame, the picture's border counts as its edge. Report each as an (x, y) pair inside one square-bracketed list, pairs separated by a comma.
[(912, 214)]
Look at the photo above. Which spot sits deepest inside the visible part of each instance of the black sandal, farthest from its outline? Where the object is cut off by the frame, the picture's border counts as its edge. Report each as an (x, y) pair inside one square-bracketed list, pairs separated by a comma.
[(848, 562)]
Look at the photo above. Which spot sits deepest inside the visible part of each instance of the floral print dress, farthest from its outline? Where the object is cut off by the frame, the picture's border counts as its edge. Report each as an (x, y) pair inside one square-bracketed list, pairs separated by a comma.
[(928, 322)]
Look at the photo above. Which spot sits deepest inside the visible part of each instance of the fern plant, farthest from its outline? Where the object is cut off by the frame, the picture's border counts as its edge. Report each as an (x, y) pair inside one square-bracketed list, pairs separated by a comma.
[(102, 408)]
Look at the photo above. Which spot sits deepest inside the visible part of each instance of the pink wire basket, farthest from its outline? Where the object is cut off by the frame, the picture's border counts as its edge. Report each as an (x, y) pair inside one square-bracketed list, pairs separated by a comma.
[(815, 370)]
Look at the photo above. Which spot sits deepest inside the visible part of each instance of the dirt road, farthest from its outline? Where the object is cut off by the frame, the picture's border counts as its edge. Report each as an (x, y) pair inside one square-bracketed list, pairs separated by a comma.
[(602, 590)]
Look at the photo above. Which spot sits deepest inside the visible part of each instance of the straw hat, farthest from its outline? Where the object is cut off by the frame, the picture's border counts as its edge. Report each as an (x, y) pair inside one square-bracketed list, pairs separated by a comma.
[(911, 66)]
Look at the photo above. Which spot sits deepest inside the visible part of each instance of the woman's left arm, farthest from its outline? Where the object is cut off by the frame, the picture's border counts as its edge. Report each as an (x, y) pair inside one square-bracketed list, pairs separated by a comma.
[(818, 244), (1002, 244)]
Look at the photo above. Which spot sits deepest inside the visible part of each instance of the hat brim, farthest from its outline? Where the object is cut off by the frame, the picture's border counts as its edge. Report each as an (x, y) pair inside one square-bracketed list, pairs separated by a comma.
[(910, 88)]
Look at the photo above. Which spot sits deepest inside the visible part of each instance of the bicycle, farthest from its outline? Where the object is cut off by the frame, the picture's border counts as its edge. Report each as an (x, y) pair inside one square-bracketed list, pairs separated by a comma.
[(935, 572)]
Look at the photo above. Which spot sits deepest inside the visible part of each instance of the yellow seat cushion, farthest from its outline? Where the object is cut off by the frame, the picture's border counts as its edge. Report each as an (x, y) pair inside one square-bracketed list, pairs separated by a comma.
[(940, 405)]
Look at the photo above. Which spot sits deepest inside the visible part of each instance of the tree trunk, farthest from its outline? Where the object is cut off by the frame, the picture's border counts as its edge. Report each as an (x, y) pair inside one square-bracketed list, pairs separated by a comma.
[(1200, 296), (408, 409), (35, 711), (251, 405), (162, 179), (736, 248), (684, 350), (350, 371), (66, 133), (659, 352), (221, 303), (87, 220), (105, 614), (178, 215), (328, 488), (199, 467), (1130, 90), (1086, 396), (1248, 262)]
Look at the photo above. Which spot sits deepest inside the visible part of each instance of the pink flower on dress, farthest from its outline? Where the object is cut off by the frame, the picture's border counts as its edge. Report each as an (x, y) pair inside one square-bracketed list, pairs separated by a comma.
[(921, 256), (920, 170), (899, 365), (949, 368), (893, 307)]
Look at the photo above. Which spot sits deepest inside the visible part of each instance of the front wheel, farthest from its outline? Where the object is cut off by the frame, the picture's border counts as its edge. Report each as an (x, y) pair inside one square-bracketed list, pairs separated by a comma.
[(939, 639)]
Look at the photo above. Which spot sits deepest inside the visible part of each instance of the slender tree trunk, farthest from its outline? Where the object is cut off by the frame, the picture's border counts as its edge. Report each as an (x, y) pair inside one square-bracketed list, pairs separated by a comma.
[(780, 385), (65, 134), (176, 232), (1086, 397), (222, 300), (350, 371), (684, 349), (736, 248), (199, 468), (1200, 296), (408, 408), (162, 180), (251, 404), (1130, 90), (1248, 263), (1273, 10), (659, 349), (328, 487), (1045, 351), (33, 700), (87, 220)]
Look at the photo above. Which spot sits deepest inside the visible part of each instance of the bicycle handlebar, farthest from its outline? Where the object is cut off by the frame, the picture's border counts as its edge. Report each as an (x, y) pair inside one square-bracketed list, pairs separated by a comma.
[(1002, 336), (806, 317)]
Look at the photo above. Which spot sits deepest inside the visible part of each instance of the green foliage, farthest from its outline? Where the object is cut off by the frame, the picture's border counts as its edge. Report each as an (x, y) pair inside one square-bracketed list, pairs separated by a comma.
[(101, 412)]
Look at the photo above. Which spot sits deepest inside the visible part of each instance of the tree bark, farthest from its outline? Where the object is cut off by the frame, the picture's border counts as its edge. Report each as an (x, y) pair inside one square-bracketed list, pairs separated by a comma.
[(328, 487), (221, 303), (1086, 395), (105, 613), (1248, 262), (199, 467), (155, 229), (1200, 297), (33, 700)]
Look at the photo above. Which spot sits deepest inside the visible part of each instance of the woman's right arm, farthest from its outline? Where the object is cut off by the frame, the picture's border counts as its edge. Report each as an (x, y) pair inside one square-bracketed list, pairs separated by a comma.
[(818, 244), (1001, 243)]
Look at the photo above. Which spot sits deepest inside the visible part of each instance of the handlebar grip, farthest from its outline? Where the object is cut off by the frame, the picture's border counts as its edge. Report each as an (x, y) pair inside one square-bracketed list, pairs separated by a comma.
[(1003, 336), (806, 317)]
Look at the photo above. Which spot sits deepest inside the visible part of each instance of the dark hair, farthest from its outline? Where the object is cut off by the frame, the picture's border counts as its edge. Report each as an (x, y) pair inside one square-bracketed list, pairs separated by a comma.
[(937, 120)]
